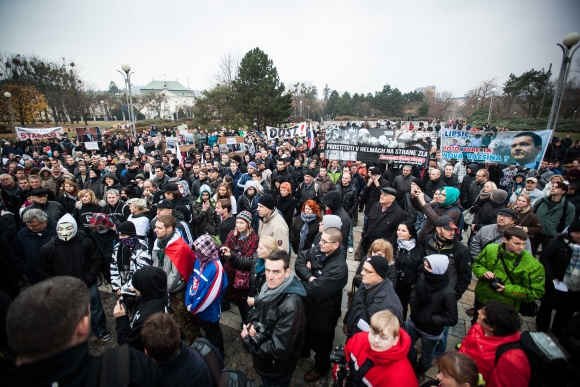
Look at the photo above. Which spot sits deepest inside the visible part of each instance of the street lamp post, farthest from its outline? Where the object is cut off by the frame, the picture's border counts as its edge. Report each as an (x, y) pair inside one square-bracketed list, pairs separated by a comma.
[(490, 106), (104, 110), (127, 76), (300, 107), (478, 101), (569, 41), (9, 99)]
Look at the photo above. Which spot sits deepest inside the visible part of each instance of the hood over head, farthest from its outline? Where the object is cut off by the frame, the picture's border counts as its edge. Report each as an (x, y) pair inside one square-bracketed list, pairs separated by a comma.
[(112, 176), (253, 184), (151, 282), (498, 196), (66, 228), (474, 168), (333, 201), (295, 287), (185, 187), (203, 188)]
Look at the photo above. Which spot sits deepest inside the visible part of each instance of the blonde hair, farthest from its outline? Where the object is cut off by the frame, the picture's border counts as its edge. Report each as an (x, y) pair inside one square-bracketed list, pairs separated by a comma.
[(141, 204), (90, 193), (269, 243), (385, 320), (385, 247)]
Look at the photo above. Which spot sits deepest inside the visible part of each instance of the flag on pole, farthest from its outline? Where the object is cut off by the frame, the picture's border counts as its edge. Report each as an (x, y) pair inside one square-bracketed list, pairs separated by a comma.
[(311, 143)]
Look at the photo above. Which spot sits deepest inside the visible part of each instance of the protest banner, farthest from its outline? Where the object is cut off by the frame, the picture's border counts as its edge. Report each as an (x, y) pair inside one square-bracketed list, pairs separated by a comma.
[(377, 145), (525, 148), (233, 145), (88, 134), (92, 145), (39, 134), (296, 130)]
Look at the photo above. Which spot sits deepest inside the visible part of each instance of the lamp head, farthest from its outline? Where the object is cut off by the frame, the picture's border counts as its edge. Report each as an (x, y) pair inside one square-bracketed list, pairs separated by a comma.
[(126, 67), (7, 95), (571, 39)]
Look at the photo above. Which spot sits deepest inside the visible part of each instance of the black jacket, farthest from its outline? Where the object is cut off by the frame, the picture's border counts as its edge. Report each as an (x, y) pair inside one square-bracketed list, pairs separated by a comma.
[(466, 186), (383, 224), (54, 210), (440, 312), (408, 263), (368, 302), (74, 367), (249, 264), (295, 229), (188, 368), (286, 205), (8, 227), (487, 214), (78, 258), (68, 202), (225, 227), (117, 213), (433, 185), (83, 215), (349, 196), (304, 193), (94, 185), (286, 322), (325, 292), (333, 201)]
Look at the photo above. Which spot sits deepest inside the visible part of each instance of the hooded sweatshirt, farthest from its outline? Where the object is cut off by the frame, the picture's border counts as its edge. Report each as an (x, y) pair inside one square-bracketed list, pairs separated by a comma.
[(333, 202), (391, 367), (151, 282)]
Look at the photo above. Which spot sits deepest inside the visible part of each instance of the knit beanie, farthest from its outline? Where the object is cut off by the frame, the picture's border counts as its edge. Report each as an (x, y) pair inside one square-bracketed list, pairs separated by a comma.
[(438, 262), (332, 221), (380, 264), (420, 183), (245, 215), (498, 196), (267, 201), (127, 228)]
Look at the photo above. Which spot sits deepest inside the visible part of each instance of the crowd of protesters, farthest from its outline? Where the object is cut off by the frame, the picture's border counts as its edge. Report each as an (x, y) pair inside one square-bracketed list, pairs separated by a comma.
[(179, 238)]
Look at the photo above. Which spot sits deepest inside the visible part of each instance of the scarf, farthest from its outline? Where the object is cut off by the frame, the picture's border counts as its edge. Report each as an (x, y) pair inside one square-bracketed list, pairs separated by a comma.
[(205, 251), (69, 196), (129, 242), (452, 196), (267, 295), (307, 219), (521, 210), (162, 242), (432, 284), (572, 276), (484, 195), (260, 266), (407, 245)]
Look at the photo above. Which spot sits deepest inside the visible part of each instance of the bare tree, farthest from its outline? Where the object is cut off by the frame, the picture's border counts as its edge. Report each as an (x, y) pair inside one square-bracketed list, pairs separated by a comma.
[(440, 103), (227, 69)]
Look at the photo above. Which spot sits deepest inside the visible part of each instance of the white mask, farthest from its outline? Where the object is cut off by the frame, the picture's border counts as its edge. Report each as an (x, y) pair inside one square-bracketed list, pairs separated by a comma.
[(65, 231)]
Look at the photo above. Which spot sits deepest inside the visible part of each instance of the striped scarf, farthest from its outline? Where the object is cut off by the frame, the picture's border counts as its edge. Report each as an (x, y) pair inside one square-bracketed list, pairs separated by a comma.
[(572, 276)]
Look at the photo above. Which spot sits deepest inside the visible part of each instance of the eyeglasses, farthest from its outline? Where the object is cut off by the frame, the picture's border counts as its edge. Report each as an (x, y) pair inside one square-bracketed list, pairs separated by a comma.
[(323, 242)]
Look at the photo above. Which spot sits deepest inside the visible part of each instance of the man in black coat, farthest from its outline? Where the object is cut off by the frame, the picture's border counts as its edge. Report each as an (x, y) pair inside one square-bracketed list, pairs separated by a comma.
[(435, 182), (372, 190), (349, 193), (324, 278), (48, 328), (333, 202), (383, 220)]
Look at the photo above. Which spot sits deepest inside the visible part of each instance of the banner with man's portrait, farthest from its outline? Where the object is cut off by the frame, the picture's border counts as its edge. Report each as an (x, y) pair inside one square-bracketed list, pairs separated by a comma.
[(525, 148), (88, 134)]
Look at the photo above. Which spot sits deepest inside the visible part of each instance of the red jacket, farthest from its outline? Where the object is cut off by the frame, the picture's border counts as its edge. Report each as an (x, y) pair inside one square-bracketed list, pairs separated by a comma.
[(391, 367), (512, 369)]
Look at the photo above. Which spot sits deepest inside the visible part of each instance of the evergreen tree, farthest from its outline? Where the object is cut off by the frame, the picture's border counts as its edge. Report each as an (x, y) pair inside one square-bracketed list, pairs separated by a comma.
[(113, 89), (326, 92)]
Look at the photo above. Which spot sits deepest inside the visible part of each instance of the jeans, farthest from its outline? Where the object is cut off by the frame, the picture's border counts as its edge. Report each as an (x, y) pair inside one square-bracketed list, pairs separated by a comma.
[(427, 348), (442, 345), (350, 236), (283, 381), (98, 319)]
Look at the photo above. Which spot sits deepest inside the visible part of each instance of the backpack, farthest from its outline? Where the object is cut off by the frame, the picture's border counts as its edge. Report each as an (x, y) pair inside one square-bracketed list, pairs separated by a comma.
[(221, 377), (460, 223), (548, 364)]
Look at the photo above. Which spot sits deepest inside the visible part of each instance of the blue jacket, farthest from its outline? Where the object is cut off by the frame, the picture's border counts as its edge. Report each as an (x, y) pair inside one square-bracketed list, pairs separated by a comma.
[(205, 291), (237, 191), (25, 250)]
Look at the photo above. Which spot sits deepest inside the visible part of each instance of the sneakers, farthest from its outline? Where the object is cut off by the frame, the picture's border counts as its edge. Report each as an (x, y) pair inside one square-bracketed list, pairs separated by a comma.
[(105, 336), (350, 250)]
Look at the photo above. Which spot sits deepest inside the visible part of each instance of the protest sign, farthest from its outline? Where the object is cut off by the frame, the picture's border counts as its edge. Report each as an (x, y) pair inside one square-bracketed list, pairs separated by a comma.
[(92, 145), (525, 148), (377, 145), (39, 134), (232, 145), (88, 134), (293, 131)]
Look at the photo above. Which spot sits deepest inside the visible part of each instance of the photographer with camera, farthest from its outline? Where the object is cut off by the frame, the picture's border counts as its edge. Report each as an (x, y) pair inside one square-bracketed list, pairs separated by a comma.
[(507, 272), (277, 327)]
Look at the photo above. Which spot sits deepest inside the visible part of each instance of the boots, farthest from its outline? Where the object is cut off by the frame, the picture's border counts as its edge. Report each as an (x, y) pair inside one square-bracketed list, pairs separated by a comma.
[(420, 370)]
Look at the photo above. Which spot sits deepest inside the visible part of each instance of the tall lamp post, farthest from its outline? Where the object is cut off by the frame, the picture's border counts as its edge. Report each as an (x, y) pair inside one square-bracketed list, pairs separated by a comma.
[(9, 99), (127, 76), (490, 106), (569, 41), (104, 110)]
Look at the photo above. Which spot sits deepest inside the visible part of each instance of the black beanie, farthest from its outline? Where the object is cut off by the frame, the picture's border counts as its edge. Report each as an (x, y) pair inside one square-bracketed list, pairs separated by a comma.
[(267, 201), (574, 226), (127, 228), (420, 183), (97, 172), (380, 264)]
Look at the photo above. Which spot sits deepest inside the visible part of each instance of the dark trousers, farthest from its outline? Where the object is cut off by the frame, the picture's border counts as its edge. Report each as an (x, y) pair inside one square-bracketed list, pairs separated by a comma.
[(213, 334), (243, 307), (404, 293), (565, 308), (538, 240), (283, 381), (321, 343)]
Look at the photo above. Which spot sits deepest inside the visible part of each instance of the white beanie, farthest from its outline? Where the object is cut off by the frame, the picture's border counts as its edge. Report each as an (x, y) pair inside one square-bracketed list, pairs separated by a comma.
[(331, 221), (438, 262)]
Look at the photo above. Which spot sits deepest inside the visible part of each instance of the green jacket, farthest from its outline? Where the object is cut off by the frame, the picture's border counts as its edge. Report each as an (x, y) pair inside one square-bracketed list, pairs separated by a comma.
[(334, 176), (550, 219), (529, 276)]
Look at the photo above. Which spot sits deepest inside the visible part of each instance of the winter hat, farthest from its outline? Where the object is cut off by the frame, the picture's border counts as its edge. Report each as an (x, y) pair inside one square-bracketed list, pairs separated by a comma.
[(96, 171), (267, 201), (375, 171), (574, 226), (331, 221), (171, 188), (140, 176), (245, 215), (420, 183), (380, 264), (175, 162), (438, 262), (185, 187), (508, 212), (574, 172), (252, 164), (127, 228), (238, 159), (498, 196), (310, 172)]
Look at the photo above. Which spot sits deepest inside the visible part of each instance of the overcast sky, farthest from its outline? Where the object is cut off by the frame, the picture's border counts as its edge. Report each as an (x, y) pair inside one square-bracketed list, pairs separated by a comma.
[(355, 46)]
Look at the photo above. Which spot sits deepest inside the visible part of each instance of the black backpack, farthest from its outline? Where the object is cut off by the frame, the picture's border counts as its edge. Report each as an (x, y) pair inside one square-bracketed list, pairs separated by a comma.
[(221, 377), (548, 364)]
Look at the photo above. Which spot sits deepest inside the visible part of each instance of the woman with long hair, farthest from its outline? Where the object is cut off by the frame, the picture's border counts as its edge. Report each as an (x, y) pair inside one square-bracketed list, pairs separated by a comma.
[(242, 241), (69, 197), (408, 255), (455, 370), (224, 191), (85, 207), (526, 219), (305, 226)]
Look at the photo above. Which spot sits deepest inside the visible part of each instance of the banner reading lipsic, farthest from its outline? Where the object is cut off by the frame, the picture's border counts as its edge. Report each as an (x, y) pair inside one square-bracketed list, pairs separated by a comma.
[(520, 148), (377, 145), (293, 131), (39, 134)]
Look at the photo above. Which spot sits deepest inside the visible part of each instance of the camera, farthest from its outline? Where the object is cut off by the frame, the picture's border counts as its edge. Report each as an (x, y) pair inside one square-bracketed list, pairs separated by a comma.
[(339, 357), (262, 334), (494, 282)]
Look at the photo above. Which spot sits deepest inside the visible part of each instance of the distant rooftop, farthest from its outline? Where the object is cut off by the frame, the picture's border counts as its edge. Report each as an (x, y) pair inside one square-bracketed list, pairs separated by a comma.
[(173, 86)]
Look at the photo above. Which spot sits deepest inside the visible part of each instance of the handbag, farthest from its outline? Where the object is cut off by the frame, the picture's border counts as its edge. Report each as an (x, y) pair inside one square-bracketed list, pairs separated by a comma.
[(350, 295), (468, 216)]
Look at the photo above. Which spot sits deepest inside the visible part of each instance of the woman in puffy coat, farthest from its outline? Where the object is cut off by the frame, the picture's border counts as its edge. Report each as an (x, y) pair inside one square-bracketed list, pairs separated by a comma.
[(408, 256)]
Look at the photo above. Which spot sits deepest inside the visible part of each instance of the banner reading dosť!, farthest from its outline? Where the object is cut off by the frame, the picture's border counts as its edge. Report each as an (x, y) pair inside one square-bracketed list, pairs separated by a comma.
[(39, 134), (297, 130), (377, 145), (525, 148)]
